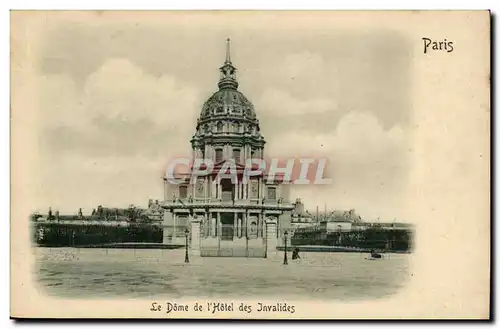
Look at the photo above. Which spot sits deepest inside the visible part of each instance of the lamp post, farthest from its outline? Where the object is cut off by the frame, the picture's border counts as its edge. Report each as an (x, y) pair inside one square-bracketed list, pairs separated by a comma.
[(285, 260), (186, 260)]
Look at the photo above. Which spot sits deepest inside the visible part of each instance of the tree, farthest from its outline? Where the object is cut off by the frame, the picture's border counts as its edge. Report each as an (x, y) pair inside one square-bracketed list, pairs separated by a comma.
[(100, 212), (35, 216), (144, 218), (132, 213)]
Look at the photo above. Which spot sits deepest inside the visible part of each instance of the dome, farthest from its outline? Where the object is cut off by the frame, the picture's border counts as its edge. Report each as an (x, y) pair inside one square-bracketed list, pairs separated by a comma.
[(227, 102), (228, 111), (228, 126)]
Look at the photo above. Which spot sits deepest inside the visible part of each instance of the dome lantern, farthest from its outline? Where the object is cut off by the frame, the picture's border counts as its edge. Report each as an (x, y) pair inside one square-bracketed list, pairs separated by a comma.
[(228, 71)]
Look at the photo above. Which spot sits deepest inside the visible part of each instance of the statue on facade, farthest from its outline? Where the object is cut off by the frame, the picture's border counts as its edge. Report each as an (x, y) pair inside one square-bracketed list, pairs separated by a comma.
[(190, 200), (80, 214), (174, 198)]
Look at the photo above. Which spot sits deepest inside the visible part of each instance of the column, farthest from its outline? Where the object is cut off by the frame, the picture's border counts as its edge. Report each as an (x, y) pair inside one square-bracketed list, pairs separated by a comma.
[(262, 225), (218, 231), (205, 189), (235, 224), (212, 188), (206, 224), (212, 224), (240, 219), (174, 231), (262, 191), (195, 236), (245, 224), (244, 231), (259, 225)]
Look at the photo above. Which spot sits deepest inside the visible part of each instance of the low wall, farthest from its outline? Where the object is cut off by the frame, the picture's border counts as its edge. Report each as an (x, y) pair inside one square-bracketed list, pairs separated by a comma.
[(64, 235), (391, 240)]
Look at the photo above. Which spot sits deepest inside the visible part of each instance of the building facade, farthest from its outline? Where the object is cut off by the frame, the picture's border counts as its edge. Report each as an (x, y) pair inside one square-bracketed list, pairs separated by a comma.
[(233, 215)]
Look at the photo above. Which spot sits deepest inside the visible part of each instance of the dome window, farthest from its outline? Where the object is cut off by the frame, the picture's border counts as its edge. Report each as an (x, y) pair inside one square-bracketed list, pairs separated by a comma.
[(220, 127)]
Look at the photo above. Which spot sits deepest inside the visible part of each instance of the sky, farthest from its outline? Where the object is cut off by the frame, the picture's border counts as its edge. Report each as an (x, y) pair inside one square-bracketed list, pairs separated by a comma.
[(117, 99)]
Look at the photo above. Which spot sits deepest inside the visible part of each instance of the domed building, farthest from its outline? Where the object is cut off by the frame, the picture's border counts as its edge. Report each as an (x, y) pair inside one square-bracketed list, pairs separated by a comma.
[(228, 127), (224, 216)]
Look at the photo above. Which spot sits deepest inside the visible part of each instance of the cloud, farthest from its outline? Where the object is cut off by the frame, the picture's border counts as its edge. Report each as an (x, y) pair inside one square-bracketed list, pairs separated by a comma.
[(275, 102), (122, 91), (108, 141), (303, 65), (120, 110), (368, 165), (357, 134)]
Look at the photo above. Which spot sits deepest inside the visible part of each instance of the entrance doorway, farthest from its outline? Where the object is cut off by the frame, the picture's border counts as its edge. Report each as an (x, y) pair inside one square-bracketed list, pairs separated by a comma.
[(227, 225)]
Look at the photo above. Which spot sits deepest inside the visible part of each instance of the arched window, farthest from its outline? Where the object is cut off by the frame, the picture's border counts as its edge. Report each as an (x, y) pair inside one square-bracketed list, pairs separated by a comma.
[(253, 230)]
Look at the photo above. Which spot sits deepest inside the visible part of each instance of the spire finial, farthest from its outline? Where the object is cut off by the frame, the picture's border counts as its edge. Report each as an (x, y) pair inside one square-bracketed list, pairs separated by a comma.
[(228, 51)]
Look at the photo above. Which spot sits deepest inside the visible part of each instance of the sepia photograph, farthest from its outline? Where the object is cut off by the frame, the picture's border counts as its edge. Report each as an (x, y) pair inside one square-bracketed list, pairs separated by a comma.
[(248, 164)]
